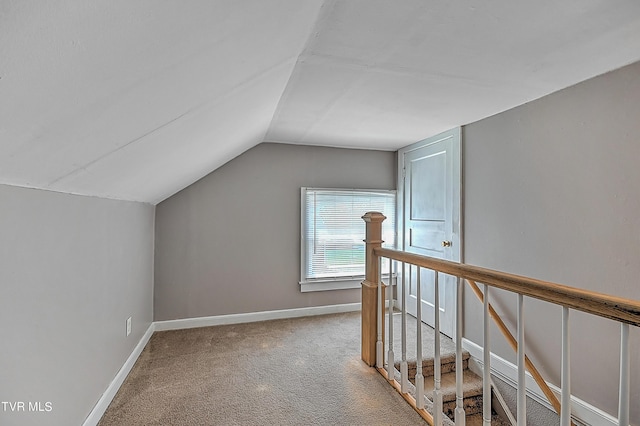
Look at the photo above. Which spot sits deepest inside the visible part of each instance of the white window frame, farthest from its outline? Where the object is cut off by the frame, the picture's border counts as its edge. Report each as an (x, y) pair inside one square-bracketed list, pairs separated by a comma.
[(333, 283)]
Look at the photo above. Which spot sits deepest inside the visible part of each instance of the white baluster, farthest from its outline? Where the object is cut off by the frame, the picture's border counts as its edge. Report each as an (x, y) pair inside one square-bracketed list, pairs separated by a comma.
[(522, 385), (459, 414), (565, 398), (419, 376), (390, 358), (379, 343), (404, 370), (437, 394), (623, 401), (486, 375)]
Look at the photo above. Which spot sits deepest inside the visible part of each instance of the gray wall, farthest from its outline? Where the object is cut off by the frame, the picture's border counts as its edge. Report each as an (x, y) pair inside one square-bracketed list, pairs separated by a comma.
[(72, 269), (230, 243), (552, 191)]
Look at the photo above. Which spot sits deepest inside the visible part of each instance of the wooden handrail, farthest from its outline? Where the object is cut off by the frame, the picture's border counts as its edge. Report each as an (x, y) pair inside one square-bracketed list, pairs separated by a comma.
[(553, 399), (603, 305)]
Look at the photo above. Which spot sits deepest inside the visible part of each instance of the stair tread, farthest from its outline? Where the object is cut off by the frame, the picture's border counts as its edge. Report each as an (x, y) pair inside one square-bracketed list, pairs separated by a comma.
[(447, 346), (472, 385), (476, 420), (446, 358)]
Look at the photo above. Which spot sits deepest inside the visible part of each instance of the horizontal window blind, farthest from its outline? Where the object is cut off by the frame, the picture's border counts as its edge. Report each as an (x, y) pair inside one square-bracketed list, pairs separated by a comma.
[(333, 230)]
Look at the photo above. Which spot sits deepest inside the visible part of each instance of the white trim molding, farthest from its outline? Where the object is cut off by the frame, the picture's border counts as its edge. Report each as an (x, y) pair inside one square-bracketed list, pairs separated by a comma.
[(582, 412), (337, 284), (254, 316), (103, 403)]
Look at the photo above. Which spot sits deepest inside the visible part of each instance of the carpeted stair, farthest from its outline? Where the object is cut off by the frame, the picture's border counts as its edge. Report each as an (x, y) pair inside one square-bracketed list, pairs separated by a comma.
[(472, 387), (472, 383)]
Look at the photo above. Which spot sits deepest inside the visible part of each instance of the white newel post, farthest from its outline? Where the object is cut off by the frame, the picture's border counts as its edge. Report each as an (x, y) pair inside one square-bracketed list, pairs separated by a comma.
[(486, 376), (380, 316), (623, 401), (390, 356), (565, 381), (370, 285), (437, 394), (404, 368), (419, 376), (459, 414), (522, 384)]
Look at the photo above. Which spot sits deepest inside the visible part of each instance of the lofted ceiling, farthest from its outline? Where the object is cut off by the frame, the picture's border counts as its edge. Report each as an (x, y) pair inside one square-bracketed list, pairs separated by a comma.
[(136, 100)]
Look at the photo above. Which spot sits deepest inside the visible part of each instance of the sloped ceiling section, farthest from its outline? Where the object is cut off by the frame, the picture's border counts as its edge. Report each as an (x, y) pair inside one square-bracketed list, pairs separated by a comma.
[(136, 100), (384, 74)]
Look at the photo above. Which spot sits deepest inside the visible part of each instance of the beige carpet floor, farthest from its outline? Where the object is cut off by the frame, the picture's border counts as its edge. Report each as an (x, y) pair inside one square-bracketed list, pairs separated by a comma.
[(303, 371)]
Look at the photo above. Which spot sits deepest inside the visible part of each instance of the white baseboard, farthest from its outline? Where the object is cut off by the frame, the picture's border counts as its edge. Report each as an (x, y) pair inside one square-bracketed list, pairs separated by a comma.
[(104, 401), (582, 412), (254, 316)]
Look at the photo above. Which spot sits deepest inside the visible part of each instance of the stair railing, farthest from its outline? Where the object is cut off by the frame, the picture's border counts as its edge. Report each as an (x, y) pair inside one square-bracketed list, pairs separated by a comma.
[(530, 366), (624, 311)]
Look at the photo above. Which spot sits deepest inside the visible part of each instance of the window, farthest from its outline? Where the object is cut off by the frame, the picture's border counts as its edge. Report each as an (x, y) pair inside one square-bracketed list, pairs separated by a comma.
[(332, 234)]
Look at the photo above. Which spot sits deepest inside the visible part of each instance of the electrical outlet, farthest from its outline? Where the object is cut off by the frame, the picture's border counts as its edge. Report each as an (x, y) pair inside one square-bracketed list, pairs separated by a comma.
[(128, 326)]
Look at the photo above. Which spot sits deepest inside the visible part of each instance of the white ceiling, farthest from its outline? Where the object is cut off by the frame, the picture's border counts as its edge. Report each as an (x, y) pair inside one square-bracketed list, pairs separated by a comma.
[(136, 100)]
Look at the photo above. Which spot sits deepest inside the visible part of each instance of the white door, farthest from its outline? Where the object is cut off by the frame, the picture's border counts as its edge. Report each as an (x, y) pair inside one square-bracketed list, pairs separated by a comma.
[(430, 211)]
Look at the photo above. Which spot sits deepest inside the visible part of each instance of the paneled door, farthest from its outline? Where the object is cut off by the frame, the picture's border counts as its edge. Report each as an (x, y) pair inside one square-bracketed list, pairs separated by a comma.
[(430, 208)]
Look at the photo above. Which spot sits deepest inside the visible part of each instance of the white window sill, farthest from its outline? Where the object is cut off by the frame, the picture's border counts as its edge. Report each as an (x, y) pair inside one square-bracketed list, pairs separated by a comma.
[(335, 284), (307, 286)]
